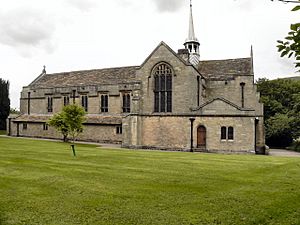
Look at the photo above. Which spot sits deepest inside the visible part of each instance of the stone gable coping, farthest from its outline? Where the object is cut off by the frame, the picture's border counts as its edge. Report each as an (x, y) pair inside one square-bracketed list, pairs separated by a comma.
[(224, 100)]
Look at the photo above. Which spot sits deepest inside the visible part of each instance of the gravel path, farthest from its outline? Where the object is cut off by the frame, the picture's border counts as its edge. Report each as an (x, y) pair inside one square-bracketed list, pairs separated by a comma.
[(272, 152), (283, 152)]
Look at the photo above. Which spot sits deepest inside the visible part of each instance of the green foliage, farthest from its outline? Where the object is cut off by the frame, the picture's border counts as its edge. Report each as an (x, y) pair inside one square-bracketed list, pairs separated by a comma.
[(279, 131), (281, 100), (4, 103), (290, 47), (295, 146), (69, 121), (57, 121)]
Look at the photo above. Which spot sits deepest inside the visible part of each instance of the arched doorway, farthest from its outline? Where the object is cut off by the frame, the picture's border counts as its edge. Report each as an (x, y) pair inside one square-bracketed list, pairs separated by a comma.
[(201, 137)]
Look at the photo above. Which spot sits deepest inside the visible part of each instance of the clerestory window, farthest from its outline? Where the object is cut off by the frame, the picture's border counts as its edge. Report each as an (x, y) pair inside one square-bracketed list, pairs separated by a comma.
[(163, 88), (104, 103), (66, 100), (84, 102), (126, 103), (50, 104)]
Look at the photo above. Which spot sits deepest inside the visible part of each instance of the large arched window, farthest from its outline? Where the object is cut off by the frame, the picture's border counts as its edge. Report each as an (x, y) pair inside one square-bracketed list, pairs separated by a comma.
[(162, 88)]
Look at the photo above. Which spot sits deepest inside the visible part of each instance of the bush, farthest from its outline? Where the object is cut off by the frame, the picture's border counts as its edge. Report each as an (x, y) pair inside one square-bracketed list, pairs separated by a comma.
[(295, 146)]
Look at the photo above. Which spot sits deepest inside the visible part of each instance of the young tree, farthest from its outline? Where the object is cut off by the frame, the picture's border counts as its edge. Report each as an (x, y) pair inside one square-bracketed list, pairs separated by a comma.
[(69, 122), (4, 103), (74, 116), (58, 122)]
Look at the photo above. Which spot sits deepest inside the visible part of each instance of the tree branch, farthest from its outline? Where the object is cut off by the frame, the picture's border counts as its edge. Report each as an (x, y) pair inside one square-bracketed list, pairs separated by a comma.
[(287, 1)]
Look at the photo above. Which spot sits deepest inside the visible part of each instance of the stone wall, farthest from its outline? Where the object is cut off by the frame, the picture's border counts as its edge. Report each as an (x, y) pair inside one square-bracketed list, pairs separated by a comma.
[(231, 90), (174, 132), (184, 82), (94, 133), (39, 98)]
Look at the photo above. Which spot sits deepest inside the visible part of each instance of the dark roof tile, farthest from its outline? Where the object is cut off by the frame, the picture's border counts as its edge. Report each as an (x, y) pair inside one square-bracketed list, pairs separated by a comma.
[(225, 69), (87, 77)]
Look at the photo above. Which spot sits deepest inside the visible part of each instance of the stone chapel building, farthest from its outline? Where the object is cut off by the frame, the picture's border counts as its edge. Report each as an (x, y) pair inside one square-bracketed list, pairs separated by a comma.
[(171, 101)]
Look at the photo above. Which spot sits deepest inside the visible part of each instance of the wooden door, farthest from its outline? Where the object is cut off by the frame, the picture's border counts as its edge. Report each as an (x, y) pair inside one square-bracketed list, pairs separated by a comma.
[(201, 137)]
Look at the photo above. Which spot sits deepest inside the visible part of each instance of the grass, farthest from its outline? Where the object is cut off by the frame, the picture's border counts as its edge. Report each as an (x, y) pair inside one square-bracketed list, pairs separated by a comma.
[(41, 183), (2, 132)]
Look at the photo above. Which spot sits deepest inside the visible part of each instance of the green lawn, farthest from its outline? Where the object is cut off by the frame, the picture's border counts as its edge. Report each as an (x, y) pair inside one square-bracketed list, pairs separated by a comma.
[(41, 183)]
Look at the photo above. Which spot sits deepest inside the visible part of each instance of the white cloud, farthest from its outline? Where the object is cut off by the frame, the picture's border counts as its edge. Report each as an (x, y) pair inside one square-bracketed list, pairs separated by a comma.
[(31, 27), (169, 5), (83, 5), (26, 29)]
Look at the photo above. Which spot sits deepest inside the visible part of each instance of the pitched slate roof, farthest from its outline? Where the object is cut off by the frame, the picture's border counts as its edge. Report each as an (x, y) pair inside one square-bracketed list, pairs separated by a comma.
[(87, 77), (225, 69)]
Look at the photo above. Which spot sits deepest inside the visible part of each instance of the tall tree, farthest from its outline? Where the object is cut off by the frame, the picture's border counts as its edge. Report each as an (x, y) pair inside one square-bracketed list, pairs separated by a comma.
[(4, 103), (281, 100)]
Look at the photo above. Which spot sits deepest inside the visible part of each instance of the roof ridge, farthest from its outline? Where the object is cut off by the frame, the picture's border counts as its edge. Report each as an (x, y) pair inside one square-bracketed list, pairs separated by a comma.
[(91, 70), (214, 60)]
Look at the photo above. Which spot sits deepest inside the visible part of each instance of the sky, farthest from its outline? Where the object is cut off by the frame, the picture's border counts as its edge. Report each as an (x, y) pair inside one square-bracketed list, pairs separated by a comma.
[(70, 35)]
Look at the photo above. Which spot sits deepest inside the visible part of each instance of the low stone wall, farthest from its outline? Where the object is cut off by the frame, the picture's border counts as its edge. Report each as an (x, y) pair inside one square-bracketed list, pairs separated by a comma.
[(92, 133)]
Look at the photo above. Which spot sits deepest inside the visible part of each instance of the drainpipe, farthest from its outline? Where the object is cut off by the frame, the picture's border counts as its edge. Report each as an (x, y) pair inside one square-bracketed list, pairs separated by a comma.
[(28, 103), (192, 121), (255, 134), (73, 92), (9, 127), (18, 129)]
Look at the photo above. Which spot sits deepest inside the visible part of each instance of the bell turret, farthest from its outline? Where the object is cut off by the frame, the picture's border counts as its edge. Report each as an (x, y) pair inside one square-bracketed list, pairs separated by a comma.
[(191, 43)]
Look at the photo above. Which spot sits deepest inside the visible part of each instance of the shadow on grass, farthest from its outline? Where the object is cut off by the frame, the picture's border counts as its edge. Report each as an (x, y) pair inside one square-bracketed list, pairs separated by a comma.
[(2, 221)]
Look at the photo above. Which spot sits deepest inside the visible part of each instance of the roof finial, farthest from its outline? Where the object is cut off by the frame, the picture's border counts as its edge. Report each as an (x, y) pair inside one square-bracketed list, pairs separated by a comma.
[(191, 3), (252, 60), (44, 70)]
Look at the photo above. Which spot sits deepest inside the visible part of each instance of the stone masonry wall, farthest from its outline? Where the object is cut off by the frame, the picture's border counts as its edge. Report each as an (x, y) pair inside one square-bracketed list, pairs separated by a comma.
[(39, 98), (232, 92), (174, 132), (94, 133), (184, 82)]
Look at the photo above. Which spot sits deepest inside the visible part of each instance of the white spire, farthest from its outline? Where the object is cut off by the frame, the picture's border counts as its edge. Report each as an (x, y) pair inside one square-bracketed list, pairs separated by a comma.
[(191, 36), (192, 43)]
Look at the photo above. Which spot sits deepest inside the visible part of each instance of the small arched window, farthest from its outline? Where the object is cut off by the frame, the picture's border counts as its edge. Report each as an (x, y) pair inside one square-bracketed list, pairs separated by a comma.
[(223, 133), (162, 88), (230, 133)]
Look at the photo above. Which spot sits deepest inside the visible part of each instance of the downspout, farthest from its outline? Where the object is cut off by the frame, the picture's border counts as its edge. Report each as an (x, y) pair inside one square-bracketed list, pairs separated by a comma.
[(18, 129), (192, 121), (255, 134)]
